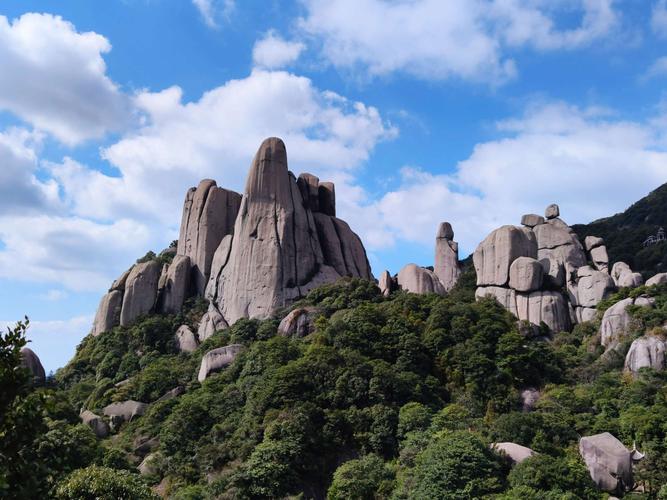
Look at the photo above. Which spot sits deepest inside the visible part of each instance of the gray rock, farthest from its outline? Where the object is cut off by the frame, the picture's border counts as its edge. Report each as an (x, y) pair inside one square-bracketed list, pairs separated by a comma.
[(108, 312), (529, 398), (495, 254), (515, 452), (298, 323), (95, 422), (532, 220), (646, 352), (544, 307), (309, 188), (186, 339), (552, 211), (600, 258), (218, 359), (140, 292), (617, 320), (525, 275), (144, 445), (554, 233), (608, 461), (31, 361), (149, 465), (327, 195), (125, 411), (506, 297), (624, 277), (211, 322), (176, 286), (386, 283), (209, 213), (658, 279), (592, 287), (561, 263), (220, 259), (591, 242), (415, 279), (447, 267), (584, 314), (119, 284)]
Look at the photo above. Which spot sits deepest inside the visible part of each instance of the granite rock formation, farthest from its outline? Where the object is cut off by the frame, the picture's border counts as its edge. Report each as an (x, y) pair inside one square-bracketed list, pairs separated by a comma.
[(186, 340), (415, 279), (298, 323), (515, 452), (140, 295), (526, 269), (646, 352), (217, 359), (658, 279), (31, 361), (624, 277), (617, 320), (446, 267), (608, 461), (96, 423)]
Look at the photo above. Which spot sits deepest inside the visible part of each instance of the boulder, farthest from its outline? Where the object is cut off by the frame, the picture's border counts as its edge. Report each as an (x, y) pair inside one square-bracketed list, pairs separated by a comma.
[(186, 339), (119, 284), (525, 275), (31, 361), (584, 314), (108, 312), (616, 320), (506, 297), (218, 359), (552, 211), (95, 422), (515, 452), (386, 283), (600, 258), (624, 277), (658, 279), (211, 322), (529, 398), (140, 292), (143, 445), (646, 352), (547, 307), (446, 267), (592, 287), (495, 254), (125, 411), (149, 465), (561, 263), (298, 323), (591, 242), (608, 461), (532, 220), (176, 286), (209, 213), (415, 279)]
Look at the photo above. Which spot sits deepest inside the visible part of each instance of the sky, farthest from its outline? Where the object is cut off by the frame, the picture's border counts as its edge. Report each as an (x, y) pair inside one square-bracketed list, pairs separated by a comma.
[(421, 111)]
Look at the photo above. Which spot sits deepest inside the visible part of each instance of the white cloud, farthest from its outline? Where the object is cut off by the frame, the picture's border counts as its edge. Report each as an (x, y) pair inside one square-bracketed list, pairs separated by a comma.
[(55, 78), (589, 163), (54, 295), (212, 10), (659, 18), (657, 69), (272, 51), (432, 39)]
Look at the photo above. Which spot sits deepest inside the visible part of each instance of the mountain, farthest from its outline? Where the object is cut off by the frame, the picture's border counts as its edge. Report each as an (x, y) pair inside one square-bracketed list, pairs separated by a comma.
[(625, 233)]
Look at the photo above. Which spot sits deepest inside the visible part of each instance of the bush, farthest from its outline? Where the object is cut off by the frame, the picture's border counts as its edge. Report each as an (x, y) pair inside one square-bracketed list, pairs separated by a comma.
[(103, 483), (360, 479)]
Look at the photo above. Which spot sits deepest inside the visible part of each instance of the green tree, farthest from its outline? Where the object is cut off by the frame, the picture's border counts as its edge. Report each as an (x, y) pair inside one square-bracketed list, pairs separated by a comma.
[(366, 478), (103, 483)]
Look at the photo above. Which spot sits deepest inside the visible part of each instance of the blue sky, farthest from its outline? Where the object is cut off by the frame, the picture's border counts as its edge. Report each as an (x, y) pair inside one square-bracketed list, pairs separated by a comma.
[(470, 111)]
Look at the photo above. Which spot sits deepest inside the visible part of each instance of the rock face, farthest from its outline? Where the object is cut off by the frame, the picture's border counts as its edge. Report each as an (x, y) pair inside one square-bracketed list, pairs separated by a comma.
[(415, 279), (217, 359), (96, 423), (211, 322), (31, 361), (515, 452), (298, 323), (386, 283), (525, 268), (108, 312), (608, 461), (209, 213), (658, 279), (125, 411), (140, 292), (281, 246), (175, 285), (186, 339), (646, 352), (624, 277), (616, 320), (446, 267)]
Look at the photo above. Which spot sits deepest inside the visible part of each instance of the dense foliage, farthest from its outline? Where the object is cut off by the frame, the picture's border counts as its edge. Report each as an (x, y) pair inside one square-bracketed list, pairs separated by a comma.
[(395, 397)]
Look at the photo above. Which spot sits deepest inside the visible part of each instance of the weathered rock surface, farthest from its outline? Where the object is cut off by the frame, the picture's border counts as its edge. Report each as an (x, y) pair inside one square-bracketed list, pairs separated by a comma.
[(218, 359), (446, 267), (108, 312), (211, 322), (506, 297), (143, 445), (119, 284), (209, 213), (31, 361), (125, 411), (592, 287), (495, 254), (176, 286), (584, 314), (608, 461), (552, 211), (658, 279), (298, 323), (532, 220), (526, 275), (547, 307), (327, 194), (591, 242), (386, 283), (186, 339), (140, 292), (515, 452), (415, 279), (624, 277), (95, 422), (646, 352), (600, 258), (616, 320)]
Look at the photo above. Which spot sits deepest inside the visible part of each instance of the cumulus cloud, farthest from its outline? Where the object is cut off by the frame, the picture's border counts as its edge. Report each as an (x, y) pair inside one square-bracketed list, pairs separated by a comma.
[(272, 51), (590, 163), (212, 10), (54, 77), (432, 39)]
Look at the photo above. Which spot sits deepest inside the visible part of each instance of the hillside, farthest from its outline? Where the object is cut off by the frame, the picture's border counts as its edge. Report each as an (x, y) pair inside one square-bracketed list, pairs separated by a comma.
[(625, 232)]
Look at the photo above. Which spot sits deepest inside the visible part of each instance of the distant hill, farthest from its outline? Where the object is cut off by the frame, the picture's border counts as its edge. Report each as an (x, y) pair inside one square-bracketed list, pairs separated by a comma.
[(625, 233)]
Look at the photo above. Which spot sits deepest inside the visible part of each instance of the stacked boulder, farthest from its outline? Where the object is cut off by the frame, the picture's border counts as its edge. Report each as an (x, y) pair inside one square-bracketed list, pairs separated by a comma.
[(624, 277), (539, 271), (646, 352), (440, 280)]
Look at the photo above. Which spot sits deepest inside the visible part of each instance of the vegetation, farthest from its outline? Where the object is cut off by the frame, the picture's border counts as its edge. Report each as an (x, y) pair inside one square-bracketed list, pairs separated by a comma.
[(395, 397)]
